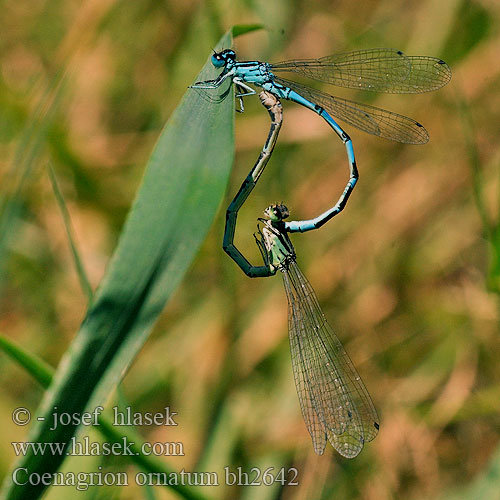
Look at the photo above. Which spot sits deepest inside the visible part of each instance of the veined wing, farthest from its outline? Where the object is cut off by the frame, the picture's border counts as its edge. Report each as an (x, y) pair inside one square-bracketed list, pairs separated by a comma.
[(381, 70), (308, 405), (213, 95), (371, 119), (333, 399)]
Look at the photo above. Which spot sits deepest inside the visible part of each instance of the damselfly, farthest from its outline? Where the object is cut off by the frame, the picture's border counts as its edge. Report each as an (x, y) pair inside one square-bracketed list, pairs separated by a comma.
[(381, 70), (334, 401)]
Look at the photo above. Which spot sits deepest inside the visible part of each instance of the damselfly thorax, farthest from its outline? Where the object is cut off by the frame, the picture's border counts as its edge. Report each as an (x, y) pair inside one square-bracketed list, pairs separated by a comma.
[(273, 240)]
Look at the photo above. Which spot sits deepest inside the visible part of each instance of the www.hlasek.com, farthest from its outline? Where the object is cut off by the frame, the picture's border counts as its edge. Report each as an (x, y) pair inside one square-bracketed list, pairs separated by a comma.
[(82, 481), (86, 447)]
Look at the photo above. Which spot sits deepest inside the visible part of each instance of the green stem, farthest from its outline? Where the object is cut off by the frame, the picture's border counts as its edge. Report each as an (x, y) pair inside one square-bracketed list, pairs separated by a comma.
[(82, 275)]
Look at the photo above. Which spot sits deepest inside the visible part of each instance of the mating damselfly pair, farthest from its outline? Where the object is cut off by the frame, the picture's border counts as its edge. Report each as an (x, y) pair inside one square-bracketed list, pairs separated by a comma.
[(334, 401)]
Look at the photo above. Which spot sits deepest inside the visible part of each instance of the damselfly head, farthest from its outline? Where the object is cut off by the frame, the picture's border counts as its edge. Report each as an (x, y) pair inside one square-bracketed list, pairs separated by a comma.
[(220, 59), (277, 212)]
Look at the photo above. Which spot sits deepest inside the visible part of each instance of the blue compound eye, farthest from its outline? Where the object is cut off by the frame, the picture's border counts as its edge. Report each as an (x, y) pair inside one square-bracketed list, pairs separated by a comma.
[(217, 61)]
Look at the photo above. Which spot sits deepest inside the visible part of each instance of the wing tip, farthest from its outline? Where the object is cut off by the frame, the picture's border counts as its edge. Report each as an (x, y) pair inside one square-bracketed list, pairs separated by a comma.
[(421, 135), (445, 71)]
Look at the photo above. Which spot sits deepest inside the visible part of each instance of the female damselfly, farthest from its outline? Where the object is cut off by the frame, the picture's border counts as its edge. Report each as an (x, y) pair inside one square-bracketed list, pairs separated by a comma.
[(334, 401)]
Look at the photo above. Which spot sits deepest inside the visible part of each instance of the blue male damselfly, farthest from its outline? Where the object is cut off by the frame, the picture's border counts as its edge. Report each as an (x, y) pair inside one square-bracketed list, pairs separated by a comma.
[(381, 70)]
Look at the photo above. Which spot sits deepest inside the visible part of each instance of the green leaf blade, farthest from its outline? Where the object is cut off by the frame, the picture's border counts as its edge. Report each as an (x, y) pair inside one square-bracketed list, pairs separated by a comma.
[(243, 29), (37, 368), (181, 191)]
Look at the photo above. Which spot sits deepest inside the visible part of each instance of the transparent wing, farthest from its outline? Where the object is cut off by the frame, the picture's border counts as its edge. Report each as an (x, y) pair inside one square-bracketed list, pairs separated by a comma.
[(333, 399), (371, 119), (212, 95), (308, 405), (381, 70)]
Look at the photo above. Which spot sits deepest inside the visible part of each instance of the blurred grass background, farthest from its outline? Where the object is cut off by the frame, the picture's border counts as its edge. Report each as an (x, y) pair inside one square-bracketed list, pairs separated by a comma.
[(407, 275)]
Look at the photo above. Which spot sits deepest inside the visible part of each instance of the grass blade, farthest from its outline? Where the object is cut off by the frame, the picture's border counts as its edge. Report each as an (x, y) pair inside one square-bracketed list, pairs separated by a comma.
[(43, 374), (181, 191), (80, 269), (36, 367), (243, 29)]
